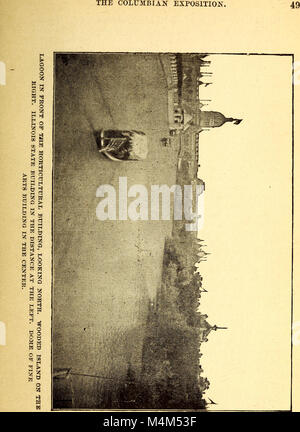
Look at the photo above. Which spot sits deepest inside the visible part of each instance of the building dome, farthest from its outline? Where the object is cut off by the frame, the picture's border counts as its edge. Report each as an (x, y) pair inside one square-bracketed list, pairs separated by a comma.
[(210, 119)]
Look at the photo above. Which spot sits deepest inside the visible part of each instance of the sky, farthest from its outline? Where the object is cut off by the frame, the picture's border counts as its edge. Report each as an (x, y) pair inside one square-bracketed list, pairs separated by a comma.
[(247, 230)]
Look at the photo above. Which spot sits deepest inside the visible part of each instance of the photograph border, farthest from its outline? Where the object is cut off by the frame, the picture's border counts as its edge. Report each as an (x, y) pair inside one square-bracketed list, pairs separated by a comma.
[(55, 53)]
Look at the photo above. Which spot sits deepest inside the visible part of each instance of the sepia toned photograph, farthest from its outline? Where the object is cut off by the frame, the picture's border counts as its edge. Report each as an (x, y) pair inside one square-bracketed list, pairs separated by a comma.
[(165, 174)]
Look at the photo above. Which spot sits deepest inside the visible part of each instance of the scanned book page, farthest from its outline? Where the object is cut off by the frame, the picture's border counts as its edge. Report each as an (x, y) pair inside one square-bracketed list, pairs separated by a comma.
[(149, 213)]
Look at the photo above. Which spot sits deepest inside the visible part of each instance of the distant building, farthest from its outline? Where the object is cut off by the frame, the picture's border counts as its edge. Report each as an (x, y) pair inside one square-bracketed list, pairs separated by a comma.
[(205, 328), (187, 113), (188, 117)]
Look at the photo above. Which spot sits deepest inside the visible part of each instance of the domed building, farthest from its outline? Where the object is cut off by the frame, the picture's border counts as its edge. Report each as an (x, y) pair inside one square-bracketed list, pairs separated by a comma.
[(212, 119)]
